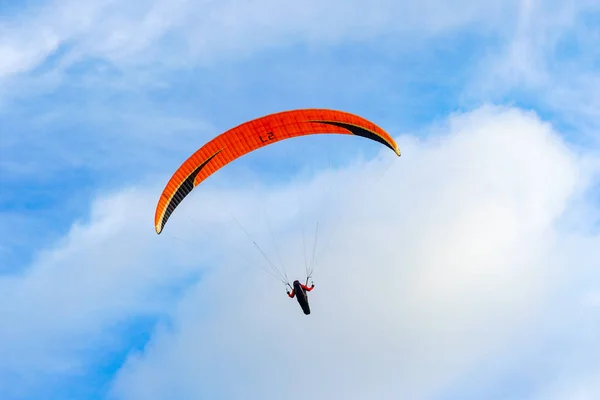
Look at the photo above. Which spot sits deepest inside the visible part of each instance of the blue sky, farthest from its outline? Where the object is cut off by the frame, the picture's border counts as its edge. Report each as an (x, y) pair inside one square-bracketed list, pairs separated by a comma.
[(495, 107)]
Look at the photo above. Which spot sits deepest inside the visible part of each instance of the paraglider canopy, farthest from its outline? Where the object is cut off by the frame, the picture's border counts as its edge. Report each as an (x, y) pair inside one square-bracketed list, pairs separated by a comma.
[(253, 135)]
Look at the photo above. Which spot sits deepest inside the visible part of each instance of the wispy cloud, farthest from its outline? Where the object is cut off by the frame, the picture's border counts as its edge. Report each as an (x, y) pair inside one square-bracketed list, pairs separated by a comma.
[(548, 61), (209, 29)]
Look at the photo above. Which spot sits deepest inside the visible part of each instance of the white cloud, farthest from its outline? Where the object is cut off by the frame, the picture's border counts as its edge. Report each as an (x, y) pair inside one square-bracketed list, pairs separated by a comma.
[(543, 47), (204, 30), (453, 257), (104, 272), (527, 54), (548, 55), (138, 38)]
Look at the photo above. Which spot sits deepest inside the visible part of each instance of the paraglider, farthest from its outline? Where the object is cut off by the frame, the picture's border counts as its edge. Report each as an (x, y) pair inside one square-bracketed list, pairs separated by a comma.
[(299, 290), (251, 136)]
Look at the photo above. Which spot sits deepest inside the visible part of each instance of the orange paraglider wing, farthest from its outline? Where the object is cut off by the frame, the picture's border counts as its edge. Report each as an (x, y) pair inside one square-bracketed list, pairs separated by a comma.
[(255, 134)]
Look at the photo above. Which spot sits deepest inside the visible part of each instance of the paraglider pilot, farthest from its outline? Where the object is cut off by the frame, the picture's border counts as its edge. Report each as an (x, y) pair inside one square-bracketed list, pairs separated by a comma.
[(299, 290)]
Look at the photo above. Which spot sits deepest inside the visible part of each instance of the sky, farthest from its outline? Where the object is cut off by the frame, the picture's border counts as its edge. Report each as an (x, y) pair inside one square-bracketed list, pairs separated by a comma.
[(465, 269)]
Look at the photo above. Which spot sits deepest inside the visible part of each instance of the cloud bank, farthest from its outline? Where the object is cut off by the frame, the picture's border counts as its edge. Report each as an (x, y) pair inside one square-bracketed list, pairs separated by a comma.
[(464, 258)]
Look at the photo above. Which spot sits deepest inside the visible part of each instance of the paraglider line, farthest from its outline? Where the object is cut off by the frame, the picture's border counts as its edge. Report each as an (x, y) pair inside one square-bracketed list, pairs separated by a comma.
[(312, 263), (281, 278), (275, 245), (301, 211)]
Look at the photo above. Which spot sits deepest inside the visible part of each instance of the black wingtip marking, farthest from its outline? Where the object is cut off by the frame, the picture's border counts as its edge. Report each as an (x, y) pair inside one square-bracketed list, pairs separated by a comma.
[(358, 131), (184, 189)]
